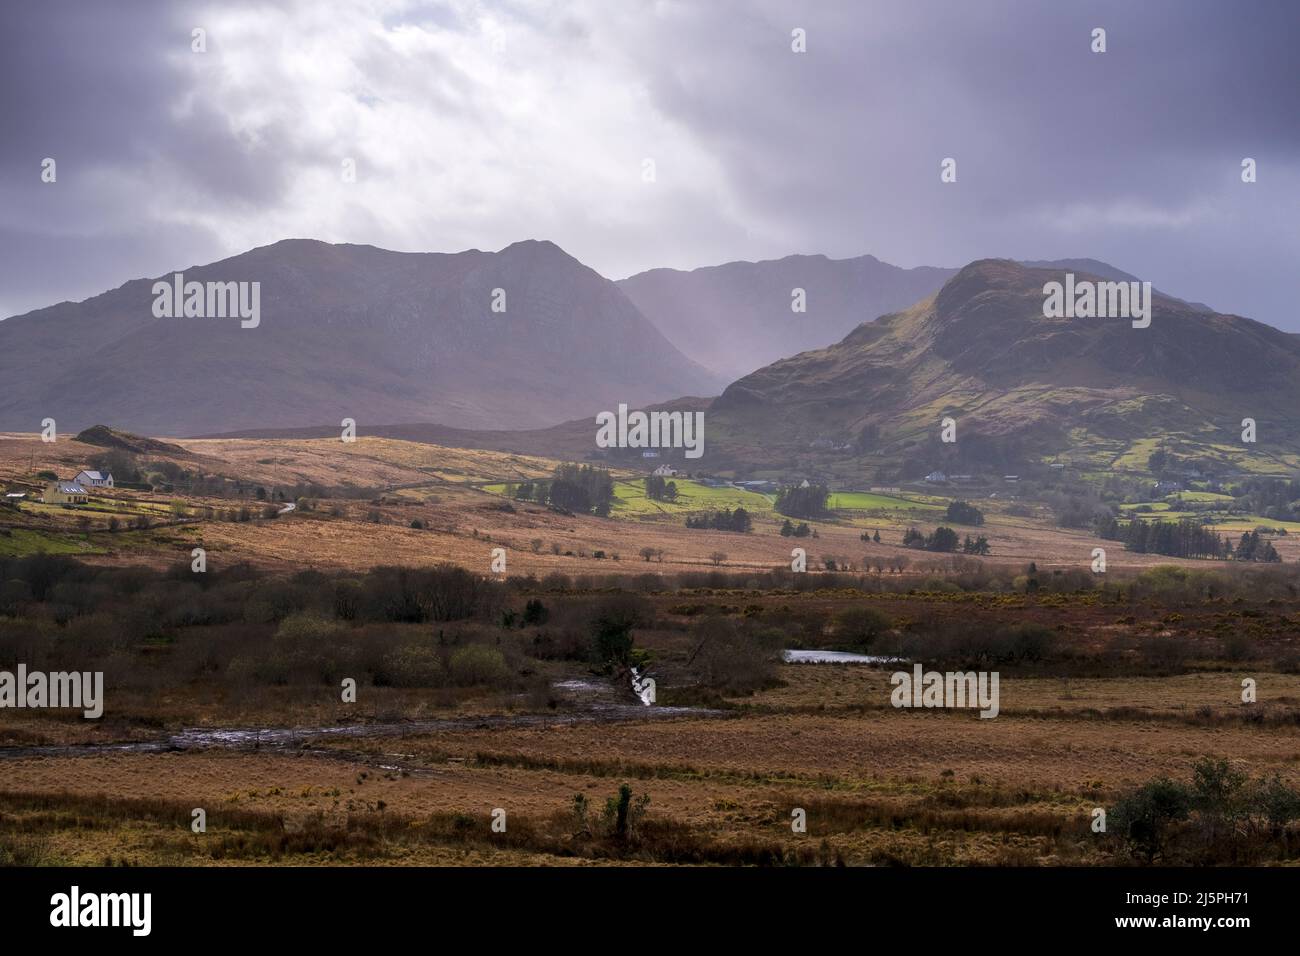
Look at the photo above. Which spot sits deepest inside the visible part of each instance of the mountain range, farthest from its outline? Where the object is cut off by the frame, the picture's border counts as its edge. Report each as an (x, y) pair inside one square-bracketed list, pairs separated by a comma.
[(738, 317), (1018, 385), (383, 337), (348, 331)]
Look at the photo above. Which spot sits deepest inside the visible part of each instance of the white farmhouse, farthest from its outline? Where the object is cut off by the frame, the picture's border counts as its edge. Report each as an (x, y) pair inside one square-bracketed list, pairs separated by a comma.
[(94, 479)]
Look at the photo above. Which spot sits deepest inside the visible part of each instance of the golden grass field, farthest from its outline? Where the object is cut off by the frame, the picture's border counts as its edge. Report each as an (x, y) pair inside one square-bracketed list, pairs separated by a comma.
[(879, 785), (442, 488), (953, 788)]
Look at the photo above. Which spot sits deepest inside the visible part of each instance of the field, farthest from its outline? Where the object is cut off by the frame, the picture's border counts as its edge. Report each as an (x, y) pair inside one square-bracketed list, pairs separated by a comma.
[(878, 784), (485, 692), (372, 491)]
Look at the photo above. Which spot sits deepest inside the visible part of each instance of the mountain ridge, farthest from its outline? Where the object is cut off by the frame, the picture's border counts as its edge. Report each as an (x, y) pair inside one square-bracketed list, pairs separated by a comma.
[(347, 331), (1021, 385)]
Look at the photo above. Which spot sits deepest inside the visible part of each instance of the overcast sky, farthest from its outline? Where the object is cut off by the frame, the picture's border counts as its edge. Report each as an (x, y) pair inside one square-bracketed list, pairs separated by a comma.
[(476, 124)]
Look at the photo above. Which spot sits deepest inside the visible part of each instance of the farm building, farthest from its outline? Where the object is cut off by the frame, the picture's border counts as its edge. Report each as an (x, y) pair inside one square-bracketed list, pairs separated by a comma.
[(665, 471), (64, 493), (94, 479)]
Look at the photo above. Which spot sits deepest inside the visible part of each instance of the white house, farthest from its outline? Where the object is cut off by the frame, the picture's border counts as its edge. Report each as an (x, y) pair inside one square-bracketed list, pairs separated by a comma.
[(936, 477), (94, 479), (665, 471)]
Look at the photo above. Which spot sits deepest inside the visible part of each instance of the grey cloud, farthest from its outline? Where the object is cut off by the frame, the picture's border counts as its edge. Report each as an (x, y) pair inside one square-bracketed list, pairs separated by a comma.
[(1131, 156)]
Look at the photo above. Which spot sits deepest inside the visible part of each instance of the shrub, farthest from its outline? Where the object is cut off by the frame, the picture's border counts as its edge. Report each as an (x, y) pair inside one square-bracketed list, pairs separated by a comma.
[(1031, 642), (1143, 818), (732, 658), (535, 612), (963, 512), (611, 633), (413, 665), (307, 628), (858, 627), (477, 664)]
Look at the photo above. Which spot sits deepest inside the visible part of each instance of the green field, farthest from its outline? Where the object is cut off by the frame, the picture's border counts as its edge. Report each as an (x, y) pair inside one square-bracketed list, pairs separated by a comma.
[(1251, 522), (630, 499), (1204, 496), (1164, 511), (23, 541), (870, 501)]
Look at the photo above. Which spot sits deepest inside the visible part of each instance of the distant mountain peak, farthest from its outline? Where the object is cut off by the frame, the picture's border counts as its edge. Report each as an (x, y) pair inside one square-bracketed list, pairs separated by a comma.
[(348, 331), (982, 350)]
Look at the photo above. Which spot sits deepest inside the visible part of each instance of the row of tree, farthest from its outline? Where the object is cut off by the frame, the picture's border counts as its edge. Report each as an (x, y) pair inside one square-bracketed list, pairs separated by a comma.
[(1187, 538), (659, 488), (963, 512), (803, 501), (724, 520), (943, 539), (579, 489)]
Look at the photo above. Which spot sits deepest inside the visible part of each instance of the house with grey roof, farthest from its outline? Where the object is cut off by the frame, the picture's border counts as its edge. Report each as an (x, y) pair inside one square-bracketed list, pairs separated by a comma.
[(94, 479)]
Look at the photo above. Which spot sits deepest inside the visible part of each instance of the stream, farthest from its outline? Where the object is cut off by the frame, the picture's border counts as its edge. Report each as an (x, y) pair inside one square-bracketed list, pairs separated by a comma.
[(600, 702)]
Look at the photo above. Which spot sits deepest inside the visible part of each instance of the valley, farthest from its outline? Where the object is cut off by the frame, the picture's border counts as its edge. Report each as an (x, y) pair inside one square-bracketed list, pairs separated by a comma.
[(486, 693)]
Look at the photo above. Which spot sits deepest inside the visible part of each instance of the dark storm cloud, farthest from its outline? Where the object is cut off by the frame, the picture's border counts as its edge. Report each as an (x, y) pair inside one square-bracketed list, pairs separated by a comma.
[(1132, 156)]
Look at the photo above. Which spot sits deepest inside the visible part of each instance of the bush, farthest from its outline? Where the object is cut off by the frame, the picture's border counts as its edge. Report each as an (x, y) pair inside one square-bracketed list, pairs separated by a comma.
[(1143, 818), (307, 628), (413, 666), (732, 658), (963, 512), (858, 627), (1032, 642), (1223, 817), (611, 633), (535, 612), (477, 664)]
